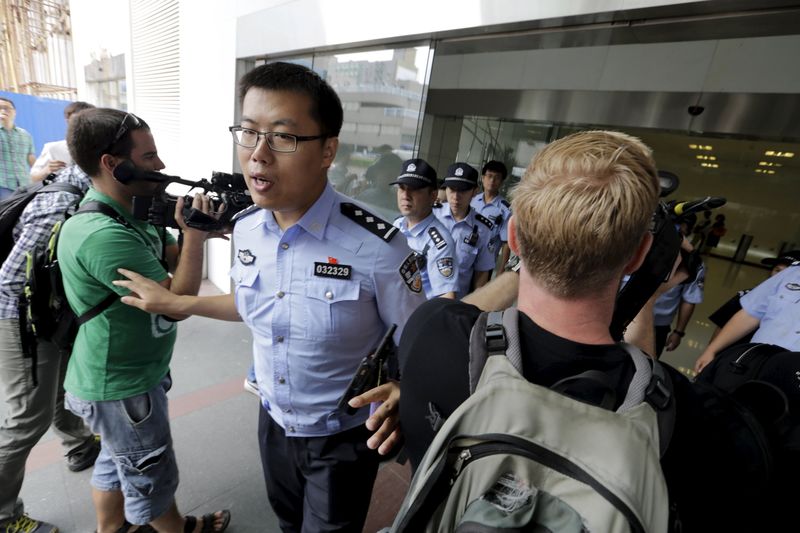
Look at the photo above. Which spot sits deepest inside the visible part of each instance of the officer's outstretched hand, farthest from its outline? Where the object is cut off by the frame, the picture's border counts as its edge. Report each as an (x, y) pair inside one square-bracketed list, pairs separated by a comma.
[(385, 421), (703, 361), (146, 294)]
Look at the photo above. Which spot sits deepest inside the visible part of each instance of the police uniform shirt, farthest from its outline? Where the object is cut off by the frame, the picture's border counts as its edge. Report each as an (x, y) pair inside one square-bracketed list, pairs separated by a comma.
[(776, 303), (471, 237), (318, 297), (498, 211), (436, 251), (667, 304)]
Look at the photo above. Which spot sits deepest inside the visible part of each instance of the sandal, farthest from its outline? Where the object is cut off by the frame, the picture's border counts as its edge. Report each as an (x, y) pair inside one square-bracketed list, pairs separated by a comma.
[(208, 522)]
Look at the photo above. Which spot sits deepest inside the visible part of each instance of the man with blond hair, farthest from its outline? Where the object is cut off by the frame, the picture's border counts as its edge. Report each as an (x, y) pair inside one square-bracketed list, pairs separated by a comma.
[(581, 217)]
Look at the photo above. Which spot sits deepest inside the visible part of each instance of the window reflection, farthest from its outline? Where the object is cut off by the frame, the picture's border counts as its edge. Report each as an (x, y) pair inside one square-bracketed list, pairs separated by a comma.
[(382, 92)]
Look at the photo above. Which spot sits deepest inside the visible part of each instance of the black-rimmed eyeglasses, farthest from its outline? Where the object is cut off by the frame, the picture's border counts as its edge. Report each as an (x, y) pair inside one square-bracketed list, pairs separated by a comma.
[(124, 126), (277, 141)]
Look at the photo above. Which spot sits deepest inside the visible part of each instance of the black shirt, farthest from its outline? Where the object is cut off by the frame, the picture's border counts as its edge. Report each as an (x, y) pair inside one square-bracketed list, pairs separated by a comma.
[(699, 465)]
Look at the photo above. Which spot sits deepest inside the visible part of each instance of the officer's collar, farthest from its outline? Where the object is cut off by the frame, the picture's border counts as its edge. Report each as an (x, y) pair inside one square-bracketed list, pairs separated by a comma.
[(314, 220), (420, 227)]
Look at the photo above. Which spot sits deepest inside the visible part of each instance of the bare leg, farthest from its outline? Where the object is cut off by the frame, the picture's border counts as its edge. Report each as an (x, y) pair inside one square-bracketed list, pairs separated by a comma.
[(110, 510), (169, 522)]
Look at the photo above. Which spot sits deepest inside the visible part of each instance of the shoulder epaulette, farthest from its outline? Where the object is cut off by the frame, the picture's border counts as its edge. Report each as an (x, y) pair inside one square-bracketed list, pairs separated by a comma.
[(505, 203), (437, 238), (483, 220), (244, 213), (365, 219)]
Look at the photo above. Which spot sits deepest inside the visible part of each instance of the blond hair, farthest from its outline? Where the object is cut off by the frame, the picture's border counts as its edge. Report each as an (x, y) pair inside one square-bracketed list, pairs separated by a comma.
[(582, 208)]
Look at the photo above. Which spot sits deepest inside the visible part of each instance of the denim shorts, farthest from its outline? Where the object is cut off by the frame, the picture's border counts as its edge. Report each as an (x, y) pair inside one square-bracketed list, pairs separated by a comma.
[(136, 454)]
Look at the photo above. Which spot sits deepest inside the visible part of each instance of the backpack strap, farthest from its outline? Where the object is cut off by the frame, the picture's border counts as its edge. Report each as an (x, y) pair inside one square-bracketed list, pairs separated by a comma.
[(651, 383), (61, 186), (497, 333), (494, 333), (99, 207)]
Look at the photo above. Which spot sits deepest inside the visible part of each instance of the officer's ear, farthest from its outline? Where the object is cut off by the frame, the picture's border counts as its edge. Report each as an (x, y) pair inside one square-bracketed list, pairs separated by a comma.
[(329, 148)]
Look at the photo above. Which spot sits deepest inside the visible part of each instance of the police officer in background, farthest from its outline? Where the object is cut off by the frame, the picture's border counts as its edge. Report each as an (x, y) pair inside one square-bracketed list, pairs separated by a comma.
[(493, 206), (436, 254), (319, 280), (470, 230), (680, 301), (772, 310)]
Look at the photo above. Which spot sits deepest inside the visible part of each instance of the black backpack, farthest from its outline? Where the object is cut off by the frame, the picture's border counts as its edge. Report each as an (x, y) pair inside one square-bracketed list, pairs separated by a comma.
[(11, 208), (44, 313), (742, 379)]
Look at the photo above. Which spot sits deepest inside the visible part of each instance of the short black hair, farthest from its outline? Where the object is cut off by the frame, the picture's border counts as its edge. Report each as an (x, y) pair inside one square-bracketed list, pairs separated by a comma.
[(495, 166), (74, 107), (9, 101), (326, 107), (91, 133)]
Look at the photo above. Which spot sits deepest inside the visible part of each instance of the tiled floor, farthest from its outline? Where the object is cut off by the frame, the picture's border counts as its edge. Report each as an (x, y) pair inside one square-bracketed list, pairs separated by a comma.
[(214, 426)]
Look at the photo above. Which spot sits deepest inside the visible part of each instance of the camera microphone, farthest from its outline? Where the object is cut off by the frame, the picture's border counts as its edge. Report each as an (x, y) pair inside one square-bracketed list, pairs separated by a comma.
[(709, 202), (127, 172)]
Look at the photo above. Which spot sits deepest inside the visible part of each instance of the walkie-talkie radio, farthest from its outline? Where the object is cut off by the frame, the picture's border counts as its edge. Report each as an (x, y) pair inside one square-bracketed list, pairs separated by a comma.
[(371, 372)]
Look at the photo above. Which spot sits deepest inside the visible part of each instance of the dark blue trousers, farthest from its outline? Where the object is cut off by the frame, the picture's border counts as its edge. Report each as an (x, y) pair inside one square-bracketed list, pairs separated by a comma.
[(317, 484)]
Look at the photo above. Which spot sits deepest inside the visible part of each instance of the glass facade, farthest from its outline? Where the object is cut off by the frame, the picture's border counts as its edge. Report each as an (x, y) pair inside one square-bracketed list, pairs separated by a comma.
[(382, 93)]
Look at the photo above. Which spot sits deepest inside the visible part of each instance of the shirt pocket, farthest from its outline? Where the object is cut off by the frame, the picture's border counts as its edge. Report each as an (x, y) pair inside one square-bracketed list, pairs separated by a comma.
[(466, 255), (246, 281), (331, 308)]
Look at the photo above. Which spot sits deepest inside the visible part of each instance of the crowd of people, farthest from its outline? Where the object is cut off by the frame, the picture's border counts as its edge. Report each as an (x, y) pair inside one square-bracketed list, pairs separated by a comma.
[(319, 279)]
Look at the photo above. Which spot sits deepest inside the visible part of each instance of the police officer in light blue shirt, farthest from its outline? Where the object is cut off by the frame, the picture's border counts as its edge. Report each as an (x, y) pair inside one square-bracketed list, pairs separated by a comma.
[(318, 280), (436, 253), (680, 300), (773, 307), (470, 230), (490, 204), (776, 304)]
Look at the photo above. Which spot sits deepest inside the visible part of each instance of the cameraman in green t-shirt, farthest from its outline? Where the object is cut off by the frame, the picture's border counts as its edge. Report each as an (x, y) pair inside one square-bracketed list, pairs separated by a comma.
[(118, 374)]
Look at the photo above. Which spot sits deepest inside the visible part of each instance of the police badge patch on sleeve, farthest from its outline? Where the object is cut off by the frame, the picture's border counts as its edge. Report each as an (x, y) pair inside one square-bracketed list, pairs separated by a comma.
[(410, 273), (445, 266), (246, 257)]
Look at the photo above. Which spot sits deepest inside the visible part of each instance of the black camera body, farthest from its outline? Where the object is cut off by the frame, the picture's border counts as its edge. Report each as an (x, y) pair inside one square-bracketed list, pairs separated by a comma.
[(657, 265), (228, 193)]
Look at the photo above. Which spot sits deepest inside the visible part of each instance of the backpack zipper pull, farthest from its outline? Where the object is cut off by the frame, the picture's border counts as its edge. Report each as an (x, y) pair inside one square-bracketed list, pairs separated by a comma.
[(463, 457)]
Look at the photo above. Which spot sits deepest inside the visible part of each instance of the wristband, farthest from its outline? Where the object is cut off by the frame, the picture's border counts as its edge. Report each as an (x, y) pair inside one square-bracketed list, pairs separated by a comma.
[(679, 333)]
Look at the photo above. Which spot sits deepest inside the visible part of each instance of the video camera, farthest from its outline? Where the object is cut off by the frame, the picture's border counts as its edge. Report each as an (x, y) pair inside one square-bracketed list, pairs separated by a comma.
[(229, 196), (658, 263)]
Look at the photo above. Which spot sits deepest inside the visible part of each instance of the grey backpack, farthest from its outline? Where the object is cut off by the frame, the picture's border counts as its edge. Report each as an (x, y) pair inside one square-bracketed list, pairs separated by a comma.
[(516, 456)]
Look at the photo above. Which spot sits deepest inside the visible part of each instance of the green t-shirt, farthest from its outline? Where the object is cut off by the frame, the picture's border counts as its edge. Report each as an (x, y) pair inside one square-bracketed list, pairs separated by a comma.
[(123, 351)]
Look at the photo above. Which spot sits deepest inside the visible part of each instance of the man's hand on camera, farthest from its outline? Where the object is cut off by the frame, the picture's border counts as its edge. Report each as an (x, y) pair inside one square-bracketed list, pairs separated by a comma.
[(385, 421), (146, 294), (202, 203)]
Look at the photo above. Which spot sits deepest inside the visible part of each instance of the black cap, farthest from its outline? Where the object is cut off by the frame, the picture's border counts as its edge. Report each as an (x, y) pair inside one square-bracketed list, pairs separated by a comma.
[(461, 177), (786, 258), (416, 173)]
